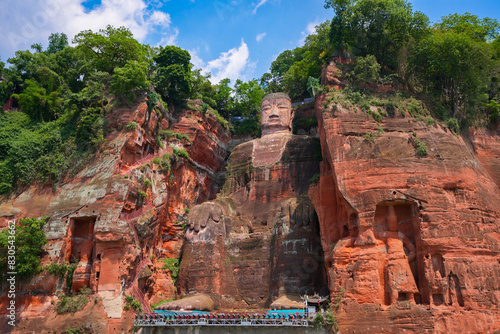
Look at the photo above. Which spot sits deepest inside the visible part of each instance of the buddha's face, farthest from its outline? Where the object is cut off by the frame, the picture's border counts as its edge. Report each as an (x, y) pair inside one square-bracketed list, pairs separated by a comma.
[(276, 116)]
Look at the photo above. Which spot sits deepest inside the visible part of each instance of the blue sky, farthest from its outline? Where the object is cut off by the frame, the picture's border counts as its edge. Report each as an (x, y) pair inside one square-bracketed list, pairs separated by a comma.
[(229, 38)]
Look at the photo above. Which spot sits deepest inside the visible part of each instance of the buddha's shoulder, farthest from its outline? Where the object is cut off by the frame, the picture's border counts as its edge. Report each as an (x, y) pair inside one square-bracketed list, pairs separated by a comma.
[(302, 147)]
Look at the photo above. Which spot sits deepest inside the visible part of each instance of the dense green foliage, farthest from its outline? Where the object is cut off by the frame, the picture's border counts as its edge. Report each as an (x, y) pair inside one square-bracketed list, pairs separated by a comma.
[(455, 61), (173, 77), (29, 240), (109, 48)]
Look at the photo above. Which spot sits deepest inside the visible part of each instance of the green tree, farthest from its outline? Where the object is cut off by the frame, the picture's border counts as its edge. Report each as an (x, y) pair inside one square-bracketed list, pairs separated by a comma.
[(24, 66), (453, 67), (223, 98), (366, 70), (382, 28), (201, 88), (130, 80), (478, 29), (173, 78), (110, 48), (248, 98), (37, 102), (338, 28), (29, 242), (57, 42)]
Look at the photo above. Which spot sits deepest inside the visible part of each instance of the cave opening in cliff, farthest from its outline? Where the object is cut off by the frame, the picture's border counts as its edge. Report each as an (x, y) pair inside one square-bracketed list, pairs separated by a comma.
[(82, 236)]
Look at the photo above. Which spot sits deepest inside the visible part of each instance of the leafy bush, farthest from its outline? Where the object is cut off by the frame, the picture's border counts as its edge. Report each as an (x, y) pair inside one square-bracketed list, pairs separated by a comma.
[(377, 117), (493, 109), (57, 269), (420, 147), (248, 126), (174, 134), (129, 80), (330, 319), (73, 304), (181, 153), (415, 108), (366, 70), (147, 183), (429, 121), (390, 107), (141, 194), (29, 242), (164, 162), (131, 126), (204, 108), (315, 178), (452, 124), (131, 303), (365, 106), (152, 100), (369, 137), (318, 321), (172, 265)]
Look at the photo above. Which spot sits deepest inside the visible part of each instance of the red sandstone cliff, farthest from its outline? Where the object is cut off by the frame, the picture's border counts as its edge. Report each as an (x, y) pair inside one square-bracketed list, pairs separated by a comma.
[(411, 243), (116, 225)]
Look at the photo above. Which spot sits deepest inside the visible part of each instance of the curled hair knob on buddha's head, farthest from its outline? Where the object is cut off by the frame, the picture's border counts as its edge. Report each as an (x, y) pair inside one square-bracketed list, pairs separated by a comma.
[(277, 114)]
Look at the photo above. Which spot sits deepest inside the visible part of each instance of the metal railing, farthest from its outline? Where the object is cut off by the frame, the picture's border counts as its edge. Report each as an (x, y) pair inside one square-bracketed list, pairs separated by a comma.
[(263, 322)]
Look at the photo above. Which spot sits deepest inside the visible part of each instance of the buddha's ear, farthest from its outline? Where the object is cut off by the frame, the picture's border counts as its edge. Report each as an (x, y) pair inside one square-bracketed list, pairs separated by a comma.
[(292, 114)]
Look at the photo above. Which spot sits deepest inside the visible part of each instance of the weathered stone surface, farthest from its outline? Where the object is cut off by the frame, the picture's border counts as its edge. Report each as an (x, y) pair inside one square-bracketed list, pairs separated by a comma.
[(117, 238), (486, 146), (288, 302), (199, 302), (399, 230)]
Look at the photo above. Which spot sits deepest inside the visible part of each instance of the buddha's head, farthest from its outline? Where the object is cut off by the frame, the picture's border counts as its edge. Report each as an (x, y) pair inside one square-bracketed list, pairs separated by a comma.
[(276, 114)]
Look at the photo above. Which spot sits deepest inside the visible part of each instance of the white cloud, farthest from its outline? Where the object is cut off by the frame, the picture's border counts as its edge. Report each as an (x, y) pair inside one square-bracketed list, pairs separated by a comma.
[(261, 3), (233, 64), (195, 59), (169, 39), (32, 21), (260, 36), (310, 29)]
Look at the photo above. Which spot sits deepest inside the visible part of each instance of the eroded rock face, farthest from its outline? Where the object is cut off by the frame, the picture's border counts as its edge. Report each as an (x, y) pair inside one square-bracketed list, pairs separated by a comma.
[(486, 146), (403, 233), (117, 237)]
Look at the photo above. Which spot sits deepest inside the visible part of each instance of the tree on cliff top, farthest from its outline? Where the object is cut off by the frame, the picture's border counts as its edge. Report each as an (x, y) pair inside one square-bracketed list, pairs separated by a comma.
[(382, 28), (110, 48), (458, 65), (173, 77)]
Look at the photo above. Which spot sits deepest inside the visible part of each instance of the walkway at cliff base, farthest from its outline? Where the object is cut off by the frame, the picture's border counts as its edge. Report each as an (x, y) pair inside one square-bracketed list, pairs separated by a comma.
[(223, 319)]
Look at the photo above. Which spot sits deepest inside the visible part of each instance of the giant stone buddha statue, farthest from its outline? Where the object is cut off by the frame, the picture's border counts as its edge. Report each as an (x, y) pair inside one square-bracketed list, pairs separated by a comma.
[(259, 239)]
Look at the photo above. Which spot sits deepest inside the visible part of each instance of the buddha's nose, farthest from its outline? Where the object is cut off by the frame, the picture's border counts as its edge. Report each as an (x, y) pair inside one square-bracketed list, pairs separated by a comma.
[(274, 111)]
